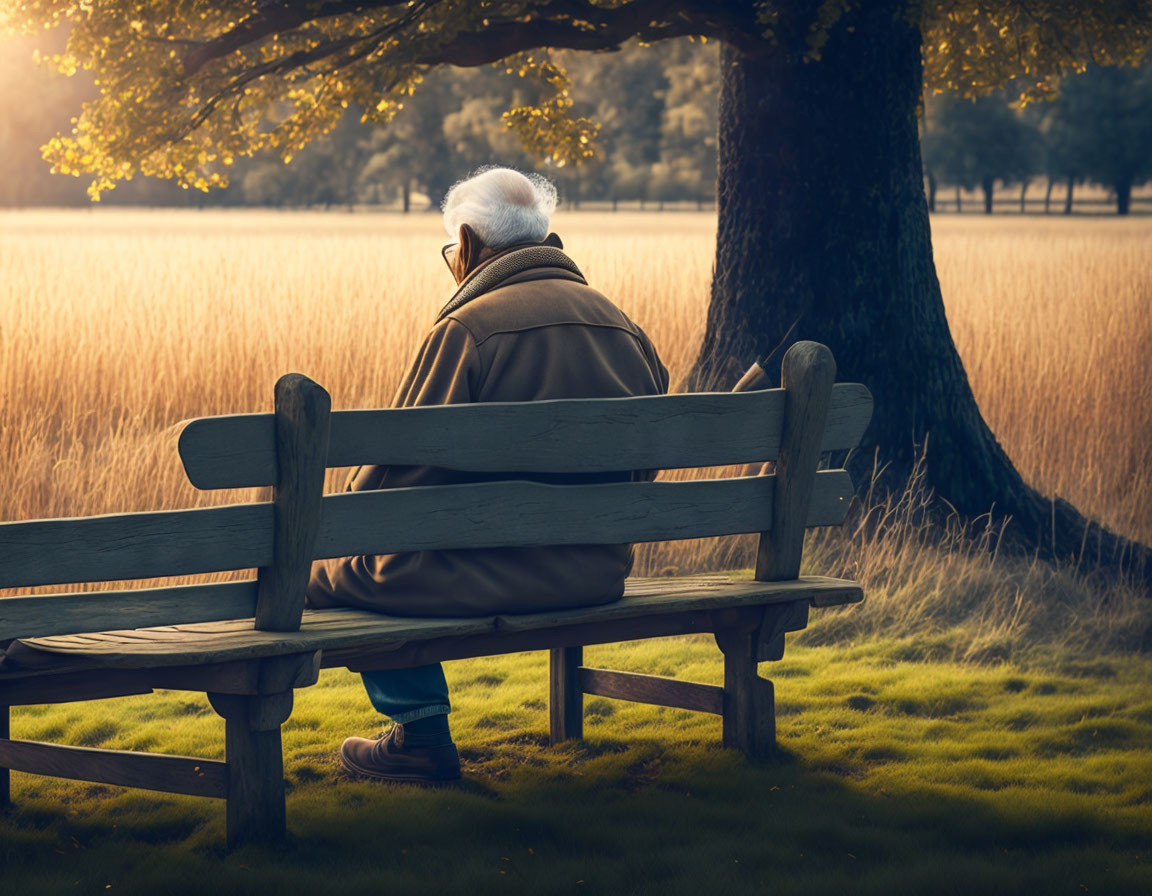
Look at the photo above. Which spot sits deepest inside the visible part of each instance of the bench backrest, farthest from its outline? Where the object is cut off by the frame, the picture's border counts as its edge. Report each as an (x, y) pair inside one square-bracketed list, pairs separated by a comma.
[(290, 449)]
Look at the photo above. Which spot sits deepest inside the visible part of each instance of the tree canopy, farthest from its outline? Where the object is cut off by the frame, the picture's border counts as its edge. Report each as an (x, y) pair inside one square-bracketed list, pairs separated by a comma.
[(186, 86)]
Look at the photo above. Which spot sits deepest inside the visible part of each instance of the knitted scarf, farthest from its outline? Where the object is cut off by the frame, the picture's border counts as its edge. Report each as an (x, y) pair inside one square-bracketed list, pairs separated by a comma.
[(504, 266)]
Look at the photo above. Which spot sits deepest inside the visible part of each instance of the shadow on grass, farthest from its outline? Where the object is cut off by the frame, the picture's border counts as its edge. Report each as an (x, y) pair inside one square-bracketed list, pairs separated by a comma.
[(897, 778), (601, 816)]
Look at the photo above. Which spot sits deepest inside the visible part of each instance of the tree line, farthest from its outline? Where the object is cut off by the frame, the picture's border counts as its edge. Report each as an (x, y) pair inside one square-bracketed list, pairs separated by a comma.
[(656, 141), (1097, 129)]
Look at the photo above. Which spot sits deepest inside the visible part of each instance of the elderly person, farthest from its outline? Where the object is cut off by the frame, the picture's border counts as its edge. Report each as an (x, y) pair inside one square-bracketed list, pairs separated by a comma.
[(523, 325)]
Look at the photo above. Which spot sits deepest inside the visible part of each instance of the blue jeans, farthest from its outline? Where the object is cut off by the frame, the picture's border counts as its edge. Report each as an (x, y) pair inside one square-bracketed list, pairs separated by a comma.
[(405, 695)]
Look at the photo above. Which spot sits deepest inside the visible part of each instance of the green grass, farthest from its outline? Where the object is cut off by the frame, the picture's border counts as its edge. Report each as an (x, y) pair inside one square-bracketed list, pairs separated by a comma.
[(901, 777)]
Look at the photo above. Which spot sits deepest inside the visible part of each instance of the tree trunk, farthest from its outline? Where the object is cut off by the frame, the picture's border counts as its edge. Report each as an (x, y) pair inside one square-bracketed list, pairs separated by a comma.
[(1023, 194), (1123, 197), (987, 184), (823, 221), (406, 195), (959, 204), (1048, 195), (1068, 197), (931, 192)]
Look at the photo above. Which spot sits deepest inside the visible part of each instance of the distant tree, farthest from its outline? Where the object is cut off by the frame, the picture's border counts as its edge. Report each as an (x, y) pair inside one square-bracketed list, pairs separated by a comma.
[(324, 173), (687, 165), (973, 143), (1057, 161), (624, 94), (1100, 127), (412, 152)]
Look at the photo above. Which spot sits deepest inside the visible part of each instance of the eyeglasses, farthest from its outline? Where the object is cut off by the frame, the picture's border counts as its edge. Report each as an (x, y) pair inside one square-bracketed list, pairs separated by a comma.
[(448, 253)]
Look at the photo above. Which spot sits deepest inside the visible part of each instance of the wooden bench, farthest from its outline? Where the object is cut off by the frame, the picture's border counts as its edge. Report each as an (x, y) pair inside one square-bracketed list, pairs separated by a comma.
[(249, 644)]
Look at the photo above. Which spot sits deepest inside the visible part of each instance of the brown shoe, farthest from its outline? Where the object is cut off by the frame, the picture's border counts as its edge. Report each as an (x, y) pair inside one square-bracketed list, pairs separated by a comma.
[(388, 759)]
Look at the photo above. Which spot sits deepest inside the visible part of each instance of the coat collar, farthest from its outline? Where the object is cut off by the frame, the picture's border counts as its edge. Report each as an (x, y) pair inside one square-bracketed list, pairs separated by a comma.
[(507, 263)]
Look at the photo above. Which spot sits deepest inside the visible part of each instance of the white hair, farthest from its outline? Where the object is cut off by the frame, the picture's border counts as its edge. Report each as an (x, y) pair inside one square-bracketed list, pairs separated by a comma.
[(502, 205)]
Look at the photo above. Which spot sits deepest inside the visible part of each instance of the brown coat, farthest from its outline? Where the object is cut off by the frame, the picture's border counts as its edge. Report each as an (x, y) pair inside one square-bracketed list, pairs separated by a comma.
[(524, 326)]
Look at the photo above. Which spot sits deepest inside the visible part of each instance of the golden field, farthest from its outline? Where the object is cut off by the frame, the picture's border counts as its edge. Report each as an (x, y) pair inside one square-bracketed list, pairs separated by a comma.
[(119, 324)]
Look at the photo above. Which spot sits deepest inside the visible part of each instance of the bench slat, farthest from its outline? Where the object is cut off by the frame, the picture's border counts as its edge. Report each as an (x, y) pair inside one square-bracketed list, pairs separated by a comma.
[(570, 435), (65, 614), (135, 545), (498, 514), (346, 629), (654, 689), (150, 771)]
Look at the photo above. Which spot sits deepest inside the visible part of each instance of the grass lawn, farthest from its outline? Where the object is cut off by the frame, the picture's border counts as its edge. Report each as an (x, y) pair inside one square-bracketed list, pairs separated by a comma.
[(901, 776)]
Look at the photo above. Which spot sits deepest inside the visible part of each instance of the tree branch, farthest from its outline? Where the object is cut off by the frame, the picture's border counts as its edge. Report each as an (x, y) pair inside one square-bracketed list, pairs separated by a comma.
[(561, 24), (500, 40), (302, 58), (272, 18), (567, 24)]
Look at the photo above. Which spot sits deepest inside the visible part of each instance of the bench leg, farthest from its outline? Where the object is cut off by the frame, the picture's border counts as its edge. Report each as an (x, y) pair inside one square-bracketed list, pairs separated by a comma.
[(565, 697), (749, 705), (5, 775), (256, 812)]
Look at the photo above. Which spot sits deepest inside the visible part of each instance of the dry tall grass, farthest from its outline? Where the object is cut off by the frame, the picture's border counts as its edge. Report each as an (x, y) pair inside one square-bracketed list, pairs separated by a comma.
[(116, 325)]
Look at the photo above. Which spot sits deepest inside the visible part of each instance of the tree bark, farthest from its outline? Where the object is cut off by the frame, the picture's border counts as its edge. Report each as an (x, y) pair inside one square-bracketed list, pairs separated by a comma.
[(959, 203), (1048, 196), (406, 195), (1023, 197), (987, 184), (823, 221), (1068, 197)]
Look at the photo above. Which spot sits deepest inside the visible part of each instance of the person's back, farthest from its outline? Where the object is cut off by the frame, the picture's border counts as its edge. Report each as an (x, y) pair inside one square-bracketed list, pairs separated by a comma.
[(537, 333), (522, 326)]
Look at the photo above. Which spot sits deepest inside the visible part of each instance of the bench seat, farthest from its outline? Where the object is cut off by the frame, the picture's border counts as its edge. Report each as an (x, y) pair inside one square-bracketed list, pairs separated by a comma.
[(345, 634)]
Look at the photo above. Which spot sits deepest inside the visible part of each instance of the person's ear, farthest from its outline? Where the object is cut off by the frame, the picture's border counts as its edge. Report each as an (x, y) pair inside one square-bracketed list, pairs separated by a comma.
[(468, 254)]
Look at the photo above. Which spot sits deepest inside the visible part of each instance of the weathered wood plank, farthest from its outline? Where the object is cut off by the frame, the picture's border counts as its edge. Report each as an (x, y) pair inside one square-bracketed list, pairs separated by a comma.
[(419, 653), (719, 593), (654, 689), (72, 687), (331, 630), (808, 373), (149, 771), (565, 697), (302, 410), (497, 514), (64, 614), (270, 675), (570, 435), (135, 545)]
